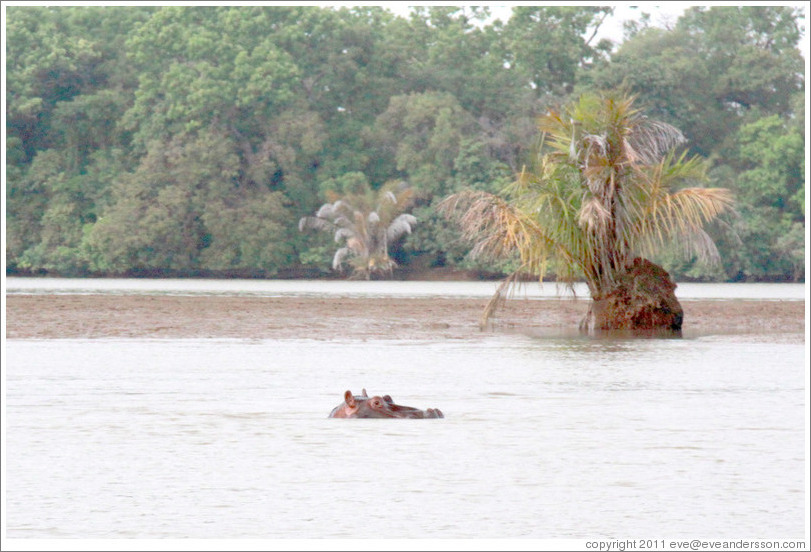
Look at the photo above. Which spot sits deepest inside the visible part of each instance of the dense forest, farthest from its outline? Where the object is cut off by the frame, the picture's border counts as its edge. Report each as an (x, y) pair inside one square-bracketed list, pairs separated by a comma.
[(192, 140)]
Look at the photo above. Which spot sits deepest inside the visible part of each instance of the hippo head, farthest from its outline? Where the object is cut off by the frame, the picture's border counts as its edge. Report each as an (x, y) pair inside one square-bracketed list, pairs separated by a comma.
[(364, 406)]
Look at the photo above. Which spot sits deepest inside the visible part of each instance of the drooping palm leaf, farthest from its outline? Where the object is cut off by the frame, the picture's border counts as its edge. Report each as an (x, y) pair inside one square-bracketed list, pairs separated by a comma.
[(401, 225)]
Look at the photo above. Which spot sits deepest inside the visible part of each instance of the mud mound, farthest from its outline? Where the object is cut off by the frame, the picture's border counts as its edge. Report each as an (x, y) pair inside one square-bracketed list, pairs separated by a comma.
[(644, 299)]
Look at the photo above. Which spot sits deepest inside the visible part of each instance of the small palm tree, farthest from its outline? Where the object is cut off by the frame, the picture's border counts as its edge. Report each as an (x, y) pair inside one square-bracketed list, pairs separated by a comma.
[(366, 222), (598, 196)]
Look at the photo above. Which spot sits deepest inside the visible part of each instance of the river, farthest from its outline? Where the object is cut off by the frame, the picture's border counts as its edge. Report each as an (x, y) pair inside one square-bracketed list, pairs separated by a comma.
[(544, 437)]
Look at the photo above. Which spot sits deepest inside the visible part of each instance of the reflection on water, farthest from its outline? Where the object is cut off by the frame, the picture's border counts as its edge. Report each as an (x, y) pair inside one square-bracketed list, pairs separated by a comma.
[(548, 436), (603, 336)]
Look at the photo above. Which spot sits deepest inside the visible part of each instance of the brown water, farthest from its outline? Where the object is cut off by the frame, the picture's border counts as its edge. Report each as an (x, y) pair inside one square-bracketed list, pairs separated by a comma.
[(544, 437)]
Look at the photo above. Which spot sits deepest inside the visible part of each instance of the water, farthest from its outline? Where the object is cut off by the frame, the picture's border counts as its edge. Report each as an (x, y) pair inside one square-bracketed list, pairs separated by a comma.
[(543, 438), (383, 288), (548, 437)]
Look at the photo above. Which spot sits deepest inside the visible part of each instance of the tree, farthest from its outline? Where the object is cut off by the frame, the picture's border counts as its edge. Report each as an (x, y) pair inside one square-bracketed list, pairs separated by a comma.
[(767, 175), (599, 195), (56, 54), (299, 96), (547, 44), (185, 209), (423, 134), (367, 222), (68, 83), (713, 72)]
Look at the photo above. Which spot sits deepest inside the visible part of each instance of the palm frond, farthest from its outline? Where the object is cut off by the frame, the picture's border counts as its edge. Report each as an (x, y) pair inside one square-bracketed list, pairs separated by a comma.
[(339, 257), (389, 195), (593, 215), (500, 230), (701, 245), (649, 140), (343, 233), (681, 217), (400, 226), (314, 223), (394, 197), (498, 299), (325, 211)]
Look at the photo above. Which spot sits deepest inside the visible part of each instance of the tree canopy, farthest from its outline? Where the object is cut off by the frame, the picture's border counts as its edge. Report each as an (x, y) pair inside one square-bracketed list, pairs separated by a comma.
[(191, 140)]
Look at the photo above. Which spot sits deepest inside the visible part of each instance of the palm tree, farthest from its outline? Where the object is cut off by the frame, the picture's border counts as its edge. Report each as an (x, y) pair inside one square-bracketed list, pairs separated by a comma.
[(366, 222), (599, 195)]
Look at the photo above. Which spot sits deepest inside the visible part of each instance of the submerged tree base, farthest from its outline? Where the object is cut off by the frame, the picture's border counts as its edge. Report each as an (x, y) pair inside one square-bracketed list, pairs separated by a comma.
[(643, 299)]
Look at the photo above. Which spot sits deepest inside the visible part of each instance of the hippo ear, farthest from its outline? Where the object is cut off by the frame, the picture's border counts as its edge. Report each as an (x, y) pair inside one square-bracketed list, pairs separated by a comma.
[(363, 394), (349, 398)]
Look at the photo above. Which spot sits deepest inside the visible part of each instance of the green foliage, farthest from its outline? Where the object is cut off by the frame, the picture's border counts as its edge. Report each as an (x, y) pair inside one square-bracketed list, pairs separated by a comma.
[(423, 133), (773, 160), (191, 139), (767, 174), (716, 69), (543, 46), (184, 208)]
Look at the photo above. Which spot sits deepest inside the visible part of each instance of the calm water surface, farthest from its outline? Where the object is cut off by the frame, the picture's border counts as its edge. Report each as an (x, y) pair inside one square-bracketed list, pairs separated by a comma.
[(544, 437), (278, 288)]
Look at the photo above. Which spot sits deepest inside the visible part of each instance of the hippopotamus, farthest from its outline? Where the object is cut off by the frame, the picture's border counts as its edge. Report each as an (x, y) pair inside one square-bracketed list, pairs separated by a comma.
[(364, 406)]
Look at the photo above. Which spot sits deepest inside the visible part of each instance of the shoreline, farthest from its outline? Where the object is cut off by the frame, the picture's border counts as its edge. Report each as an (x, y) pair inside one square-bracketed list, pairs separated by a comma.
[(335, 318)]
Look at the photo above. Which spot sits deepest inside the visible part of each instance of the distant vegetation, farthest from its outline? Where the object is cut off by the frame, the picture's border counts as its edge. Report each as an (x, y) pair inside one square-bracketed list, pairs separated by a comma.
[(192, 140)]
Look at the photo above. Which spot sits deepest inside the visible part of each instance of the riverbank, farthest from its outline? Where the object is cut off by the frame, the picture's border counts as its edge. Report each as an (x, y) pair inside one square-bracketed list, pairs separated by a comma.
[(179, 317)]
